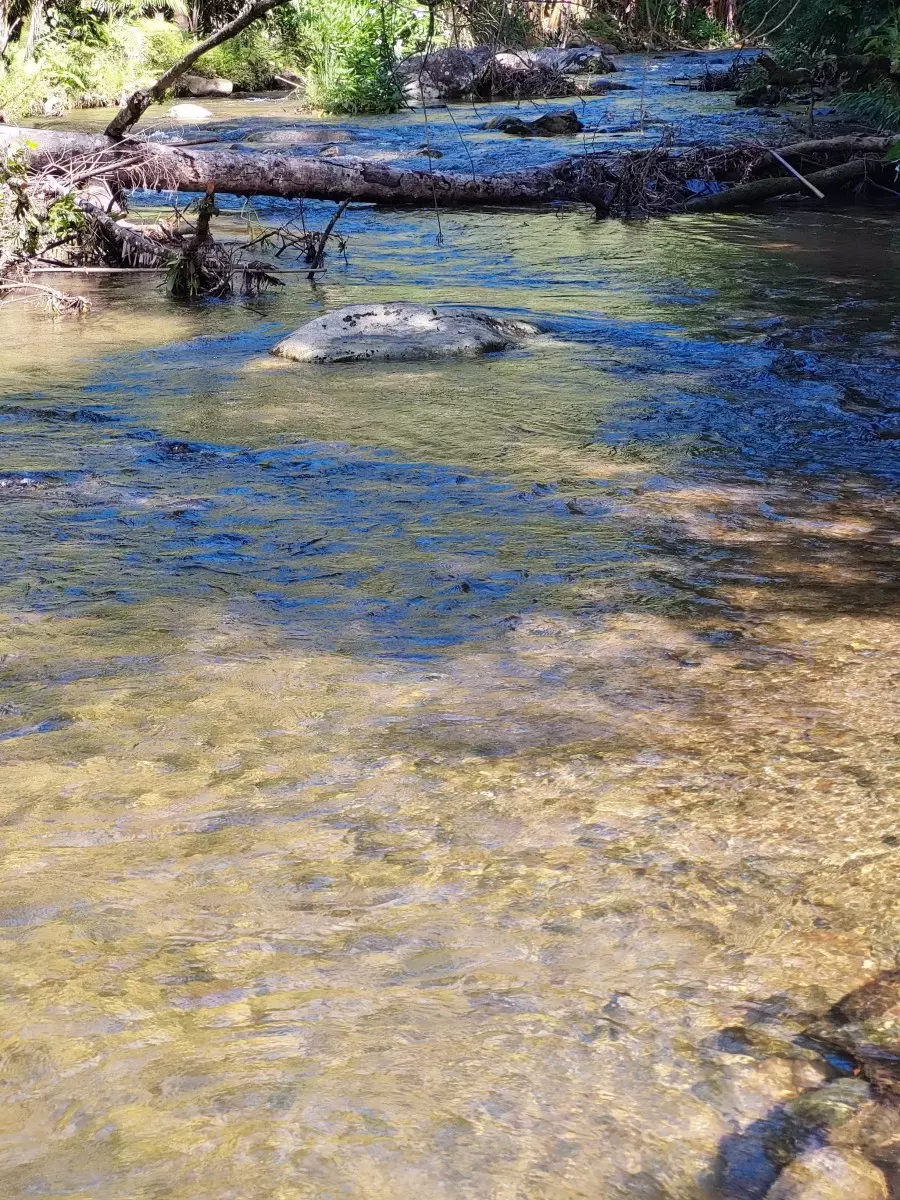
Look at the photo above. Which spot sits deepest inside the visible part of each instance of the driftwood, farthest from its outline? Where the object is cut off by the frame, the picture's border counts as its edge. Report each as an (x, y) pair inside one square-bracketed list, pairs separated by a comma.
[(845, 144)]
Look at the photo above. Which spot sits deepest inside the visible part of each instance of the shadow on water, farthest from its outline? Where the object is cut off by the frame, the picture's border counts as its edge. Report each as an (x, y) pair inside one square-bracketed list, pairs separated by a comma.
[(410, 773)]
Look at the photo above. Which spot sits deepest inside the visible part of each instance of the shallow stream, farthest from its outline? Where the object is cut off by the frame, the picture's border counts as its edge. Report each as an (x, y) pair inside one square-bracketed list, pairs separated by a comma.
[(412, 772)]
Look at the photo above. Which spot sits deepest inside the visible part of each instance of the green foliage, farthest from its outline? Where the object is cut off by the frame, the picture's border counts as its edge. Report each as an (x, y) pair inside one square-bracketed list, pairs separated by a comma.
[(70, 72), (349, 58), (703, 30), (879, 107), (885, 39), (108, 62), (601, 26), (818, 26), (496, 22), (32, 225), (659, 22), (164, 44), (250, 60)]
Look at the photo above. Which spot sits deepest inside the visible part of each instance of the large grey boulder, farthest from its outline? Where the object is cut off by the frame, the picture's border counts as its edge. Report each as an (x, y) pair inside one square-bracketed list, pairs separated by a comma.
[(448, 74), (454, 73), (399, 331), (199, 86), (576, 60), (829, 1174)]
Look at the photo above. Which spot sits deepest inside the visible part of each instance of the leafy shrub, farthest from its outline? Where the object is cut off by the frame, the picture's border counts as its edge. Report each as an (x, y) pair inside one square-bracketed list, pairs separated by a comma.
[(602, 27), (885, 39), (250, 60), (703, 30), (118, 57), (817, 26), (879, 107), (68, 72), (164, 44), (30, 226), (349, 58)]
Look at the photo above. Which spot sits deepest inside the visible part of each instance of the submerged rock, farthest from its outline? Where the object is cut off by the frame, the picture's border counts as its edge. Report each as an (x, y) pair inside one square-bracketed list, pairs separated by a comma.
[(601, 86), (562, 123), (812, 1117), (313, 136), (200, 85), (400, 331), (829, 1174)]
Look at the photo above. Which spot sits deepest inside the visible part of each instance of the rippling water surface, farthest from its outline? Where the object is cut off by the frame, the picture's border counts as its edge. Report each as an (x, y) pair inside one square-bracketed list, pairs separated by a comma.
[(409, 771)]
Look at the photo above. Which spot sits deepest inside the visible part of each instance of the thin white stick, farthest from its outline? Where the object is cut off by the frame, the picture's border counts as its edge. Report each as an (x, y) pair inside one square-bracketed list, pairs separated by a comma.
[(787, 166)]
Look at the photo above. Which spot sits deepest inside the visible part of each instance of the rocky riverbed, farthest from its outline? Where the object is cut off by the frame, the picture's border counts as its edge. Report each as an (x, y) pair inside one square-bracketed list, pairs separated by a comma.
[(470, 777)]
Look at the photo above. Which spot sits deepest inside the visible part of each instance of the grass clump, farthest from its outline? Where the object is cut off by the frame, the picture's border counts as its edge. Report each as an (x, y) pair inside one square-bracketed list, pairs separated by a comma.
[(349, 58)]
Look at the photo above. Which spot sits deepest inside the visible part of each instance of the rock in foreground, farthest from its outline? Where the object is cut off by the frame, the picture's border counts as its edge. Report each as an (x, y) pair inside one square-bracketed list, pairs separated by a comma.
[(828, 1174), (401, 332)]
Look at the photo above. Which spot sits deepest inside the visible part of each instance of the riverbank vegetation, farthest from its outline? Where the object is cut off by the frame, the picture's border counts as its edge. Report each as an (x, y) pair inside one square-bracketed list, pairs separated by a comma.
[(57, 55)]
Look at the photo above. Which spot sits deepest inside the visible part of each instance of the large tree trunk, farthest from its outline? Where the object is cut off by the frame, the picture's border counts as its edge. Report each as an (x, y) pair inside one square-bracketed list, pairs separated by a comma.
[(164, 168), (591, 179)]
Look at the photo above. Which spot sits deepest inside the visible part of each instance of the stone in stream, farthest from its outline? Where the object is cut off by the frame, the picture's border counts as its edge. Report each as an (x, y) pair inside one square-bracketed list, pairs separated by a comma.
[(447, 74), (813, 1116), (865, 1024), (189, 112), (562, 123), (400, 331), (200, 85), (601, 86), (829, 1174), (574, 60), (314, 136), (454, 73)]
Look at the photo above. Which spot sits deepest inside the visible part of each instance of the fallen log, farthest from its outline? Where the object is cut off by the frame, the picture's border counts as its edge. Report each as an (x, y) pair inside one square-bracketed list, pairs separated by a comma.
[(136, 163), (849, 143), (746, 195), (613, 185)]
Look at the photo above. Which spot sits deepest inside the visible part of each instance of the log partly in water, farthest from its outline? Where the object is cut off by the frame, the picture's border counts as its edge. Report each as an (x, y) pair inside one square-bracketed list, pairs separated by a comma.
[(138, 163), (590, 179)]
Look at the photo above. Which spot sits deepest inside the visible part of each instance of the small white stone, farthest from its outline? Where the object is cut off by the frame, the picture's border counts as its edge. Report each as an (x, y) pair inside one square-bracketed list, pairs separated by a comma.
[(189, 112)]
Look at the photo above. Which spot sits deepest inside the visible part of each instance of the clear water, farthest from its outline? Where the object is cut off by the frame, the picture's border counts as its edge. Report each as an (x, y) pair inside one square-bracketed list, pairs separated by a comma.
[(410, 771)]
